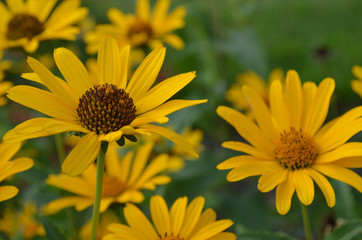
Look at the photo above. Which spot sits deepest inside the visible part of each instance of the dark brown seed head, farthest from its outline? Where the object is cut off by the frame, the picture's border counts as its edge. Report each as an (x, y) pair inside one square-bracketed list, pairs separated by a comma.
[(23, 25)]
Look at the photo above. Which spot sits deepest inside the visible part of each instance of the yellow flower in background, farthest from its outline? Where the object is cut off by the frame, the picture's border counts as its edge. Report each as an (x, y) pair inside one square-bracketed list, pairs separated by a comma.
[(357, 84), (4, 85), (105, 219), (289, 147), (123, 180), (124, 107), (178, 223), (23, 224), (26, 23), (235, 93), (146, 27), (10, 167)]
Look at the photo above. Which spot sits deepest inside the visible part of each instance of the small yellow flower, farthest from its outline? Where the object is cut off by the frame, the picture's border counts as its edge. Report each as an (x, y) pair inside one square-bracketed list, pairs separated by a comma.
[(123, 180), (104, 220), (181, 222), (107, 110), (143, 28), (357, 84), (9, 168), (25, 222), (289, 148), (235, 93), (4, 85), (26, 23)]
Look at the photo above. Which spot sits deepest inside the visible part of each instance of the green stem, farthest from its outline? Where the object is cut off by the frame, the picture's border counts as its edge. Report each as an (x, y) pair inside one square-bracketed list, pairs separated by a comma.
[(98, 195), (306, 222), (60, 147)]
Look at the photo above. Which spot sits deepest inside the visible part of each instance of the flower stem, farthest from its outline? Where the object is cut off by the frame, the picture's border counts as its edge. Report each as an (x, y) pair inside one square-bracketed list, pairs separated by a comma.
[(98, 195), (306, 222), (60, 147)]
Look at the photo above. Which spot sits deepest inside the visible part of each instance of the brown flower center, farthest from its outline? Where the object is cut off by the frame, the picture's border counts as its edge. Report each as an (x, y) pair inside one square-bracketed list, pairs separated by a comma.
[(105, 108), (112, 187), (138, 28), (171, 237), (295, 150), (23, 25)]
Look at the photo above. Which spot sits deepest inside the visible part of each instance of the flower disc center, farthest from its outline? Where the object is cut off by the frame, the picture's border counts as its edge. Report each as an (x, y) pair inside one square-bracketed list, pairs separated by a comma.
[(23, 25), (112, 187), (171, 237), (295, 150), (105, 108), (140, 32)]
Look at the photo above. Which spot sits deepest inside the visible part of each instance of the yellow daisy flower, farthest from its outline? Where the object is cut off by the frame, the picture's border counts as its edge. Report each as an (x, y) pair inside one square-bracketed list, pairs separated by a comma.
[(26, 23), (181, 222), (289, 148), (235, 93), (4, 85), (12, 224), (123, 180), (143, 28), (124, 107), (9, 168), (104, 220), (357, 84)]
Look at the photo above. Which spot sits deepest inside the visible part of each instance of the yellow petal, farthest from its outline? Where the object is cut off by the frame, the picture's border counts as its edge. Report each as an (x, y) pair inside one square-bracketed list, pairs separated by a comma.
[(238, 161), (294, 98), (284, 194), (309, 91), (8, 150), (111, 136), (140, 161), (162, 92), (277, 106), (356, 86), (350, 149), (146, 74), (212, 229), (108, 62), (250, 168), (125, 166), (61, 203), (160, 215), (192, 216), (32, 77), (138, 221), (15, 6), (351, 162), (82, 155), (172, 136), (319, 109), (304, 186), (117, 17), (272, 178), (357, 71), (42, 101), (207, 217), (261, 113), (7, 192), (73, 70), (75, 185), (245, 148), (18, 165), (224, 236), (143, 10), (246, 128), (40, 8), (340, 173), (4, 13), (177, 214), (124, 56), (160, 11), (124, 232), (174, 40), (324, 185)]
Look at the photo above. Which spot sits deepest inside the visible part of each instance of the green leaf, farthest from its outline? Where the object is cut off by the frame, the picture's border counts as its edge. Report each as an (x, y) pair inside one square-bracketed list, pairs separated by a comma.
[(346, 231), (52, 232), (245, 234)]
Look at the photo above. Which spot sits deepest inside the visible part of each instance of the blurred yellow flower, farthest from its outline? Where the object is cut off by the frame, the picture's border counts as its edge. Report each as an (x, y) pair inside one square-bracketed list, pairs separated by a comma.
[(23, 224), (178, 223), (105, 219), (123, 180), (26, 23), (143, 28), (4, 85), (289, 148), (124, 107), (357, 84), (9, 168), (235, 93)]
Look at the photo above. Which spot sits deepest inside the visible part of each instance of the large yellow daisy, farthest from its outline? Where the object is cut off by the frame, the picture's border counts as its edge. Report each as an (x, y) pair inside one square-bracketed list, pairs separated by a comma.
[(9, 168), (123, 180), (105, 111), (356, 84), (143, 28), (288, 146), (25, 23), (181, 222)]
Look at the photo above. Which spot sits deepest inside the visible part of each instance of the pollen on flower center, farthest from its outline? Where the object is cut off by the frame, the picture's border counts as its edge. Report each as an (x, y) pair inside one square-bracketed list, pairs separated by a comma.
[(23, 25), (171, 237), (105, 108), (112, 187), (295, 150), (139, 27)]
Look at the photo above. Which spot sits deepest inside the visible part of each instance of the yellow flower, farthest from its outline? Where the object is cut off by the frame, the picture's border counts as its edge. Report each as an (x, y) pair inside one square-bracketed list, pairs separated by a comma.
[(104, 220), (181, 222), (235, 93), (357, 84), (25, 23), (9, 168), (124, 107), (289, 148), (123, 180), (12, 224), (143, 28), (4, 85)]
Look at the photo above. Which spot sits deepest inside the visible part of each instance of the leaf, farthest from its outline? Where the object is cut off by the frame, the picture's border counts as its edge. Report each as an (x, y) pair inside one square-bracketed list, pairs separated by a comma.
[(347, 231), (245, 234), (52, 232)]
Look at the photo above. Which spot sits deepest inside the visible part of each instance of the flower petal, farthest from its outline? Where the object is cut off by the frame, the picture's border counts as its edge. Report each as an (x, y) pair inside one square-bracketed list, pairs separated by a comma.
[(7, 192), (177, 214), (140, 161), (350, 162), (304, 186), (294, 98), (123, 232), (143, 10), (160, 215), (8, 150), (309, 91), (284, 194), (324, 185), (108, 62), (212, 229), (61, 203), (350, 149), (18, 165), (75, 185), (124, 56), (250, 168), (272, 178), (82, 155), (245, 148), (277, 106), (192, 216)]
